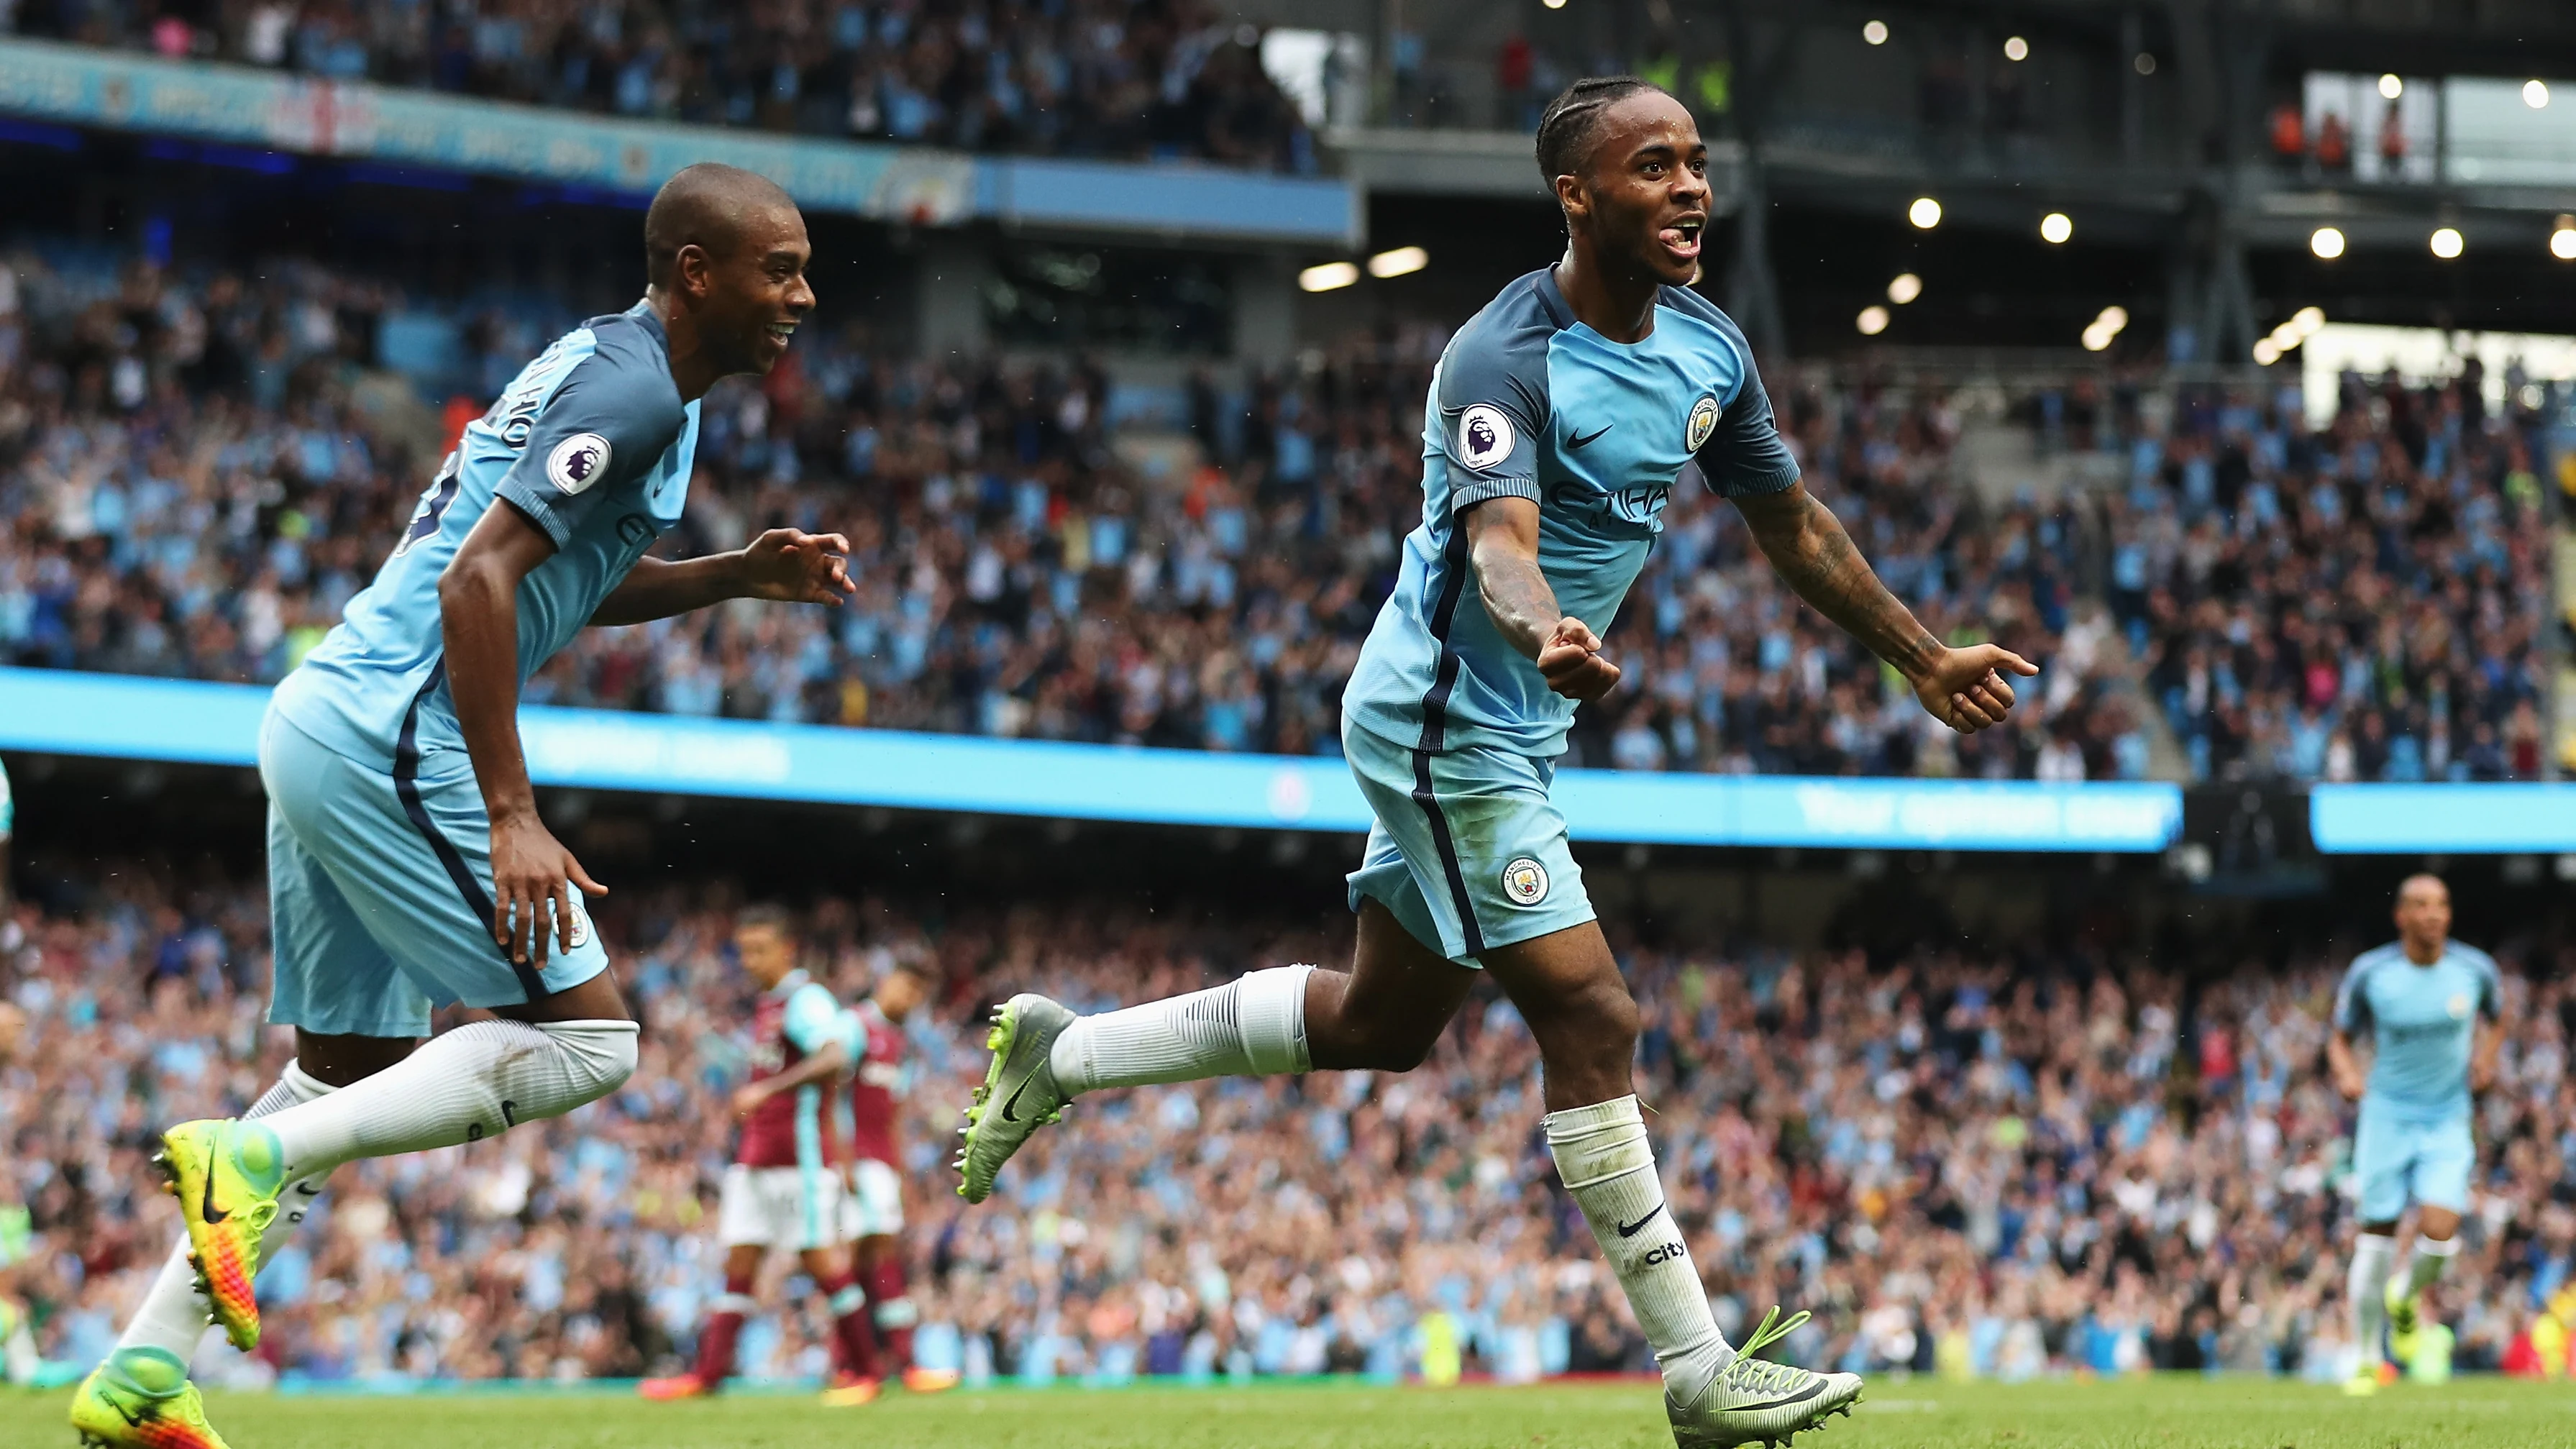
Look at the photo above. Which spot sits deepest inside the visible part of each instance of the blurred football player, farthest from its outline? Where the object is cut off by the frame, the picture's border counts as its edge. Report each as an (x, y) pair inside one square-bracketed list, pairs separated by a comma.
[(784, 1189), (2432, 1007), (872, 1219)]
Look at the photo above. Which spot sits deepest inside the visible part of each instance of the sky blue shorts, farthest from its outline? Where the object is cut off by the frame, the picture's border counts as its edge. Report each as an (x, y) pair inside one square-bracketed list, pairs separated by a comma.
[(1468, 851), (2396, 1157), (380, 893)]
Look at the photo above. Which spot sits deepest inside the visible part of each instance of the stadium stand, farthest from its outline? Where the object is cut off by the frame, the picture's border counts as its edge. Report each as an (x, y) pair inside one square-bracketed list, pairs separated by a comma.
[(1991, 1162), (197, 486), (1130, 79), (1991, 1115), (2362, 602)]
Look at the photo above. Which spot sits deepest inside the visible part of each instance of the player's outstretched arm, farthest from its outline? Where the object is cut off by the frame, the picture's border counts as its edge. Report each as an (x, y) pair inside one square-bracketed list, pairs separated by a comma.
[(1502, 545), (784, 564), (533, 876), (1963, 688), (820, 1065)]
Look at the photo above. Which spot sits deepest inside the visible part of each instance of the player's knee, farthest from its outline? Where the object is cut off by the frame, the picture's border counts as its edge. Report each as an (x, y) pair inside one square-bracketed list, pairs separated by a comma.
[(1402, 1053), (1600, 1015), (598, 1056), (1396, 1046)]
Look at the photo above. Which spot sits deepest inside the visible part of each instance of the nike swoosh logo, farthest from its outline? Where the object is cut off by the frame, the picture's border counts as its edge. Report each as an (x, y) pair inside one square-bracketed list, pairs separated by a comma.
[(208, 1212), (1007, 1114), (308, 1189), (132, 1420), (1583, 439), (1630, 1230), (1812, 1390)]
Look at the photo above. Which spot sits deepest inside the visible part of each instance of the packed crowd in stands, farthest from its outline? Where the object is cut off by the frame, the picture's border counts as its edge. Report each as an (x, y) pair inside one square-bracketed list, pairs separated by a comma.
[(1994, 1164), (1128, 79), (2365, 602), (195, 485)]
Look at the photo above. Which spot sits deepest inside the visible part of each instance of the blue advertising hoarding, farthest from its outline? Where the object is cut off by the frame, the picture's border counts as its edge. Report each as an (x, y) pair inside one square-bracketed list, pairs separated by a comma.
[(218, 724), (2492, 819)]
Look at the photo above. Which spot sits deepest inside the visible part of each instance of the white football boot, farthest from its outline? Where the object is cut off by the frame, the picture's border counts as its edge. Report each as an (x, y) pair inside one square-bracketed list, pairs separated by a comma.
[(1019, 1094), (1755, 1401)]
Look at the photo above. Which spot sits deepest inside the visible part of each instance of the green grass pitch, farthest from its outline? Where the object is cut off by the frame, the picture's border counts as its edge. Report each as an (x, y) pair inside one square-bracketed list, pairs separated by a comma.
[(2165, 1413)]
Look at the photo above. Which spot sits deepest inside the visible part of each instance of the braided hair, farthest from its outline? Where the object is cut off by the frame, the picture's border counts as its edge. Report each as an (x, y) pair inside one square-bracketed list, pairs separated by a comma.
[(1567, 126)]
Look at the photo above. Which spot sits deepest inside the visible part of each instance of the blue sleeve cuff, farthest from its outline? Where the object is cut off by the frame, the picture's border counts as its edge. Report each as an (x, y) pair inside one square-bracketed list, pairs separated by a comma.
[(1483, 489), (527, 500), (1738, 483)]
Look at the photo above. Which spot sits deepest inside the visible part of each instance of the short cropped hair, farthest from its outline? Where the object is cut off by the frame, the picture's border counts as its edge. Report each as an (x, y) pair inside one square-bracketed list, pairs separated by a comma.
[(767, 917), (703, 206), (1571, 123)]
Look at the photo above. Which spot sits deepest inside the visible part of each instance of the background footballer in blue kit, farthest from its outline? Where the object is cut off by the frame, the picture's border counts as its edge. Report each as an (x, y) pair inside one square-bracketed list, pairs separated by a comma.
[(2430, 1008), (2426, 1005)]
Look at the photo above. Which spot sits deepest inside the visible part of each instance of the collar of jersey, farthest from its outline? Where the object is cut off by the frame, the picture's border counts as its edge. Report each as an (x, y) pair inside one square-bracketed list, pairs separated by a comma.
[(1561, 312), (643, 312)]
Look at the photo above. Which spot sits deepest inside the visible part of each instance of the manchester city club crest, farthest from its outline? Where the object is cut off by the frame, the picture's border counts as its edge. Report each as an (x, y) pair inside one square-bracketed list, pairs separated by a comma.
[(1703, 421), (1525, 881)]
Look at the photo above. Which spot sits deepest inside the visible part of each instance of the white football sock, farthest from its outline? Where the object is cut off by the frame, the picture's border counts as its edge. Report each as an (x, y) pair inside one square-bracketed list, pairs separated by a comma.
[(477, 1081), (1252, 1026), (174, 1315), (19, 1360), (1605, 1161), (2426, 1263), (2372, 1253)]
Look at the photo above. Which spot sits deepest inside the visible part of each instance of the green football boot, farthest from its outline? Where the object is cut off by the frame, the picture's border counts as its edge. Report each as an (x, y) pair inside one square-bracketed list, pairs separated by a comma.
[(141, 1397), (226, 1175), (1019, 1095)]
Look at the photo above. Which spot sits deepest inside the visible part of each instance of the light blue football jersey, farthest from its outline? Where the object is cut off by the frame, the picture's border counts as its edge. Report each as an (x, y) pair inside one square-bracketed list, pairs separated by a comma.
[(2422, 1022), (590, 442), (1529, 403)]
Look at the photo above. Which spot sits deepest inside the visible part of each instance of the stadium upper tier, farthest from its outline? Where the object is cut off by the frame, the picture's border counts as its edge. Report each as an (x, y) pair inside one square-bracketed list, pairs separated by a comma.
[(2362, 602), (1116, 79), (1995, 1165)]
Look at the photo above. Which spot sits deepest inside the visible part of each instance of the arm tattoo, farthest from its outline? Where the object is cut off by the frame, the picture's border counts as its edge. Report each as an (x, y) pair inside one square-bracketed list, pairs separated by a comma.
[(1809, 548), (1504, 557), (1518, 599)]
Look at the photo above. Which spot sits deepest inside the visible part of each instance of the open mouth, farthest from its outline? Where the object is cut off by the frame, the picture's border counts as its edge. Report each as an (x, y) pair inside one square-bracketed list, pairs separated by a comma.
[(782, 332), (1682, 237)]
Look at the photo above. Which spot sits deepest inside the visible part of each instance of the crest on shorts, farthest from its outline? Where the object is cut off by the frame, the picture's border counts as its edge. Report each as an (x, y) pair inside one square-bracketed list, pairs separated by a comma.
[(1485, 436), (1703, 421), (580, 917), (577, 462), (1525, 882)]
